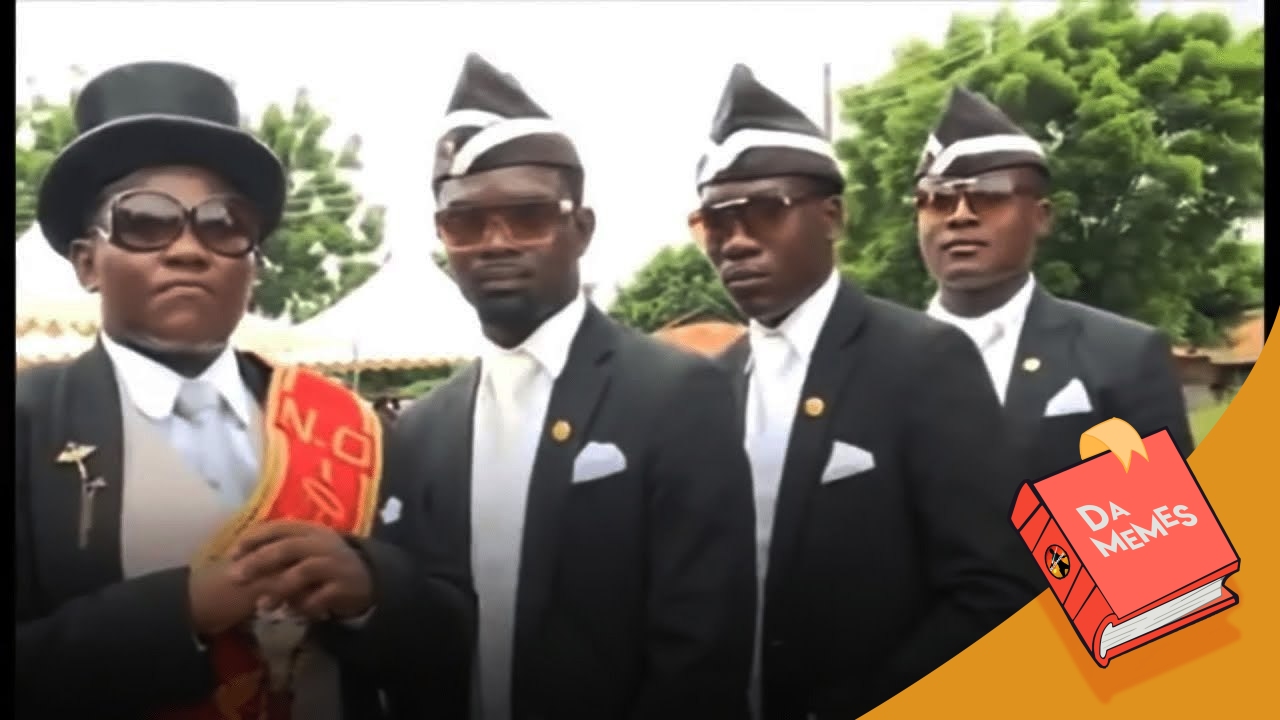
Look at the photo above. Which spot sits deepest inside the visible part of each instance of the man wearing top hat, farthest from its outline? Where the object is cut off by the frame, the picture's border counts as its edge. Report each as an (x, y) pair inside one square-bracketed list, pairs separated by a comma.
[(193, 526), (591, 480), (877, 452), (1058, 367)]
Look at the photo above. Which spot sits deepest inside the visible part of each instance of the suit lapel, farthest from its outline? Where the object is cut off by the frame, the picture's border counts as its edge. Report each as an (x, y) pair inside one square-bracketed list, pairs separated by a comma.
[(454, 431), (574, 399), (832, 363), (1042, 365), (256, 374), (734, 360), (86, 412)]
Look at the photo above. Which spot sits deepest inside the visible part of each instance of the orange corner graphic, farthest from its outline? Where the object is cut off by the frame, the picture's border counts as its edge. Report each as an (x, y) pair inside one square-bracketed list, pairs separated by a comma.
[(1032, 665)]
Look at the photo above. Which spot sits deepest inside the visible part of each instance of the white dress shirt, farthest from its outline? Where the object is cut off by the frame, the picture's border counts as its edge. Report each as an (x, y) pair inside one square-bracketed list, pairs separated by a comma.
[(154, 388), (996, 333), (778, 367), (511, 407)]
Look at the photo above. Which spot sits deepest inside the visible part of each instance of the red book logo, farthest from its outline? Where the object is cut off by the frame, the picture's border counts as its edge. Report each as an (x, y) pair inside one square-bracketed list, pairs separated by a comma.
[(1130, 546)]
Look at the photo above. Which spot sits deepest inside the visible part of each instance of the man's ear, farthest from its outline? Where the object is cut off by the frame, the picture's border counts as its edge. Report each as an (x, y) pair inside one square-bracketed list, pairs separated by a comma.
[(584, 221), (833, 211), (1044, 218), (83, 255)]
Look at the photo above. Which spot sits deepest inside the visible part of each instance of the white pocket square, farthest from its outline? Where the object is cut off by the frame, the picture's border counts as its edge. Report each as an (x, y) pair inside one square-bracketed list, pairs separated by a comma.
[(390, 510), (1072, 399), (597, 460), (847, 460)]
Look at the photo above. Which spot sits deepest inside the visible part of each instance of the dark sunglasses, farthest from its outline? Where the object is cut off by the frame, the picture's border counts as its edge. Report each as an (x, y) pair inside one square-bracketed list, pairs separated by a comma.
[(523, 223), (759, 216), (981, 195), (149, 220)]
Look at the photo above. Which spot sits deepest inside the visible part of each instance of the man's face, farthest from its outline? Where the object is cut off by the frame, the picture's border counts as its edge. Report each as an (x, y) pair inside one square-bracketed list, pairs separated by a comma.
[(976, 232), (770, 240), (170, 253), (513, 237)]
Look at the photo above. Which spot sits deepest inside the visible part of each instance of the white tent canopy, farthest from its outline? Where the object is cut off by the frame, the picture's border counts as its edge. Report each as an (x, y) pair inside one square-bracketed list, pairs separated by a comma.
[(408, 314), (48, 296)]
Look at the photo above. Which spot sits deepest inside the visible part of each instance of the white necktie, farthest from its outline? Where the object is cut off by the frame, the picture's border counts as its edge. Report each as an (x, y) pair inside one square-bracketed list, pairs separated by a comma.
[(993, 334), (768, 435), (511, 377), (772, 358), (212, 453)]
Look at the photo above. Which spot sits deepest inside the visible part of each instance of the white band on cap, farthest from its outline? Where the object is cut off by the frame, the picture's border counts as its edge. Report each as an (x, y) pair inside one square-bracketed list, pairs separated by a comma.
[(980, 146), (467, 118), (496, 133), (720, 157)]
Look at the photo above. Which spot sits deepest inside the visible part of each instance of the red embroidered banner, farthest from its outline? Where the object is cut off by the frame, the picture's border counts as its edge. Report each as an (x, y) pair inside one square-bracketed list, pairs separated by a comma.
[(322, 464)]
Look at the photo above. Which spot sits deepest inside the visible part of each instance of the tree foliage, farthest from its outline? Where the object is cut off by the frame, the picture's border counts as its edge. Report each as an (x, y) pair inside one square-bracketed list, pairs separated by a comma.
[(43, 129), (1154, 134), (441, 259), (677, 284), (322, 248)]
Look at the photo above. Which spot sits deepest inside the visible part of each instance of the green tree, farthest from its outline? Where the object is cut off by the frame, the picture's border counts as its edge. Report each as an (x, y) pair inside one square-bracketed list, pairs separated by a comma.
[(1154, 134), (676, 284), (321, 250), (441, 259), (43, 129)]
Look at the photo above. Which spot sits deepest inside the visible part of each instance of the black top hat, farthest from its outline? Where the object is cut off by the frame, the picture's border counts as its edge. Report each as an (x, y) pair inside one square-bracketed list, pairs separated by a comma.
[(974, 136), (756, 133), (151, 114), (491, 122)]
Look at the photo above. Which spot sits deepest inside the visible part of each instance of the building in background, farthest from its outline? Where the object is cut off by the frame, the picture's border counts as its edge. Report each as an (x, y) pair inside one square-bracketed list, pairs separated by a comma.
[(1210, 374), (702, 335)]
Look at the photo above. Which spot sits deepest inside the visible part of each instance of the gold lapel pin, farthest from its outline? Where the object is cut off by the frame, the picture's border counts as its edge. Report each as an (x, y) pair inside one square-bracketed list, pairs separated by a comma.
[(1031, 364), (814, 406), (561, 430), (75, 454)]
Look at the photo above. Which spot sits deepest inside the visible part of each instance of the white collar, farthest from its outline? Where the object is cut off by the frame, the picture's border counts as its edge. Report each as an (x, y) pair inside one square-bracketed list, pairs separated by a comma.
[(550, 343), (803, 326), (154, 387), (1010, 315)]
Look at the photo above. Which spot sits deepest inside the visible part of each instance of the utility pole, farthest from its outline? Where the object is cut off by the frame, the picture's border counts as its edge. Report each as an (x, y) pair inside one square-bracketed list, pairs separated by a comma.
[(826, 100)]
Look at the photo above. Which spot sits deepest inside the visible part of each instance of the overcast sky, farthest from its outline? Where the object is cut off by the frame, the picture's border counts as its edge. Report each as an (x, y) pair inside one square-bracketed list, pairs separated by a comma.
[(636, 83)]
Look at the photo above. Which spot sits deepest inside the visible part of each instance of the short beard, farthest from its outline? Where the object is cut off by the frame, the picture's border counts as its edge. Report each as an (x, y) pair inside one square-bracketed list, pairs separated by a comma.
[(187, 359), (516, 311), (166, 347)]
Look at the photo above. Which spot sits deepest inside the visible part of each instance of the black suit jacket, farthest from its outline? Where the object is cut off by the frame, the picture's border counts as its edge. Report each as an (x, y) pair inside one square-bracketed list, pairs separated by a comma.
[(636, 591), (91, 644), (1126, 368), (877, 578)]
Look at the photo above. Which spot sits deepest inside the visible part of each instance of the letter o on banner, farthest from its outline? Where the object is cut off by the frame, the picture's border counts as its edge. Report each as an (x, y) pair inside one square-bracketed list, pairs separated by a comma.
[(352, 447)]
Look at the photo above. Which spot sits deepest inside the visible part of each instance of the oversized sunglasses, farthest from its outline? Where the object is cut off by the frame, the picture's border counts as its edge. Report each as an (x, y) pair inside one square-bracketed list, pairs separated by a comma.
[(149, 221), (935, 196), (522, 223), (759, 216)]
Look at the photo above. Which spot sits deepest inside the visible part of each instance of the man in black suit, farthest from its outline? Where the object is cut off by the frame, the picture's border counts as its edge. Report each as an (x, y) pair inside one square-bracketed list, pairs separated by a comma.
[(172, 558), (878, 455), (1058, 367), (590, 479)]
